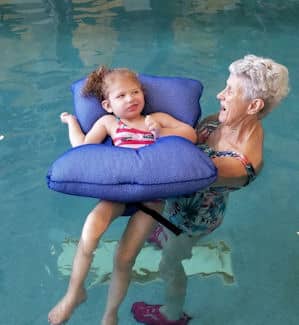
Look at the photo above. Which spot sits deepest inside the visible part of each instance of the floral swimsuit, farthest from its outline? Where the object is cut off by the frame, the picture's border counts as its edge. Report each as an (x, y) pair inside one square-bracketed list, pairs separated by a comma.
[(202, 212)]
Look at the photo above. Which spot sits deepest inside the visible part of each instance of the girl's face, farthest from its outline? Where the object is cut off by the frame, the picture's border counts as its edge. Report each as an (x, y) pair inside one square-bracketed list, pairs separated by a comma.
[(125, 98), (233, 105)]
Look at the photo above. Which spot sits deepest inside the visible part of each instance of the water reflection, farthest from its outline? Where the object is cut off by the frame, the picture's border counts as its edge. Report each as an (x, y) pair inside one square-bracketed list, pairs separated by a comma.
[(90, 31)]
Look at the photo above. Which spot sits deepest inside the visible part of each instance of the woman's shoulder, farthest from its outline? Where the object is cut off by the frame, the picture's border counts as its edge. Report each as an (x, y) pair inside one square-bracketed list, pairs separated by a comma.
[(254, 147), (239, 161)]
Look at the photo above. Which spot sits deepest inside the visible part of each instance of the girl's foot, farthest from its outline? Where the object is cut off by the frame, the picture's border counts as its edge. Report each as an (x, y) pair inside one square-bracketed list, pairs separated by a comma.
[(65, 307)]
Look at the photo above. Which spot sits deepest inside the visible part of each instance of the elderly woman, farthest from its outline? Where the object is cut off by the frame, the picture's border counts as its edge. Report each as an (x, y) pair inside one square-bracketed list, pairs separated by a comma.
[(233, 138)]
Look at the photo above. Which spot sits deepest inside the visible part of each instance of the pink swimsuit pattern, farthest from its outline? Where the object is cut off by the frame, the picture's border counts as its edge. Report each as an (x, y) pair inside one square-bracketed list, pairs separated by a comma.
[(132, 138)]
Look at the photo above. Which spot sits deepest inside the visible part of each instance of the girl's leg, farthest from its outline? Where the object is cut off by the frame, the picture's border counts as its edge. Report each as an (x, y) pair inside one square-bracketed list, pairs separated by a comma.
[(137, 231), (95, 225)]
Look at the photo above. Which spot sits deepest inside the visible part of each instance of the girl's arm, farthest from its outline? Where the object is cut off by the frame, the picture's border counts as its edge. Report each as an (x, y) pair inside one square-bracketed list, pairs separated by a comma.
[(100, 130), (76, 136), (171, 126), (97, 133)]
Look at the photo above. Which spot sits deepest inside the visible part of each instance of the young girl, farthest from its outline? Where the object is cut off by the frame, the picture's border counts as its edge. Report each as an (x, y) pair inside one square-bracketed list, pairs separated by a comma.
[(121, 95)]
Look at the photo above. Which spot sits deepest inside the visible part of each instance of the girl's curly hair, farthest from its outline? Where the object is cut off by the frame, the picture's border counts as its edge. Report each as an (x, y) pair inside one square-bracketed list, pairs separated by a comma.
[(99, 80)]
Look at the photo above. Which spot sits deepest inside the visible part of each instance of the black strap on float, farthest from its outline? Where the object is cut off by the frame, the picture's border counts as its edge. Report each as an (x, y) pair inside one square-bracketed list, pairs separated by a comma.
[(157, 216)]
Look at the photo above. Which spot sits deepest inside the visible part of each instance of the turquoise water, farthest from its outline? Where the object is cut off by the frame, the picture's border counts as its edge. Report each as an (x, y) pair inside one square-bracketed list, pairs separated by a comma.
[(45, 46)]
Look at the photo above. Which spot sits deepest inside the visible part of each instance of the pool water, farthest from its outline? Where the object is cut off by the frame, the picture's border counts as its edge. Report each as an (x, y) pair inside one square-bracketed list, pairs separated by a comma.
[(48, 44)]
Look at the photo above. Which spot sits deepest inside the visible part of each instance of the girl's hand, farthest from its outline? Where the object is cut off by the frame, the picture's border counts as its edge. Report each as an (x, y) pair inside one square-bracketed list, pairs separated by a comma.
[(65, 117), (153, 126)]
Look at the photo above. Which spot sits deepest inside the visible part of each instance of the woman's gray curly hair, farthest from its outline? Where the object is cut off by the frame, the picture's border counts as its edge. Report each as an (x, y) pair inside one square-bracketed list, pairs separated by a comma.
[(262, 78)]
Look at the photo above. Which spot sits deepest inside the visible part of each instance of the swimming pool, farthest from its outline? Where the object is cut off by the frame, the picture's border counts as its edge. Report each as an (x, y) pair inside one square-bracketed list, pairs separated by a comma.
[(48, 44)]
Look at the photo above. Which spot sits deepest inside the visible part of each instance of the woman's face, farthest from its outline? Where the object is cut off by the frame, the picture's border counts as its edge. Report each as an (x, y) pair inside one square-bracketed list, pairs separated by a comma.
[(233, 105)]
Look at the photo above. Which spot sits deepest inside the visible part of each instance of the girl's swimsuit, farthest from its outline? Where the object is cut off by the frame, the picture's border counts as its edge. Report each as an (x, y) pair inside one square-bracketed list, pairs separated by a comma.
[(131, 138), (202, 212)]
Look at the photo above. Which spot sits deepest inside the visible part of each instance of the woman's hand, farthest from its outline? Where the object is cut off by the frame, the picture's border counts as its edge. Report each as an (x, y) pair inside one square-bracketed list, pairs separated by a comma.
[(202, 135), (153, 126)]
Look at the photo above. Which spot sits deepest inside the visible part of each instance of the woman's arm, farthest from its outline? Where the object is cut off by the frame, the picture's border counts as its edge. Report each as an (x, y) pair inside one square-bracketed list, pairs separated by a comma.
[(230, 172), (171, 126)]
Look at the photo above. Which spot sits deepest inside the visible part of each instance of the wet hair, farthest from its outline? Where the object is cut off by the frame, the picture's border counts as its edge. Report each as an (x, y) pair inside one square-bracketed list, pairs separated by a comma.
[(263, 79), (99, 80)]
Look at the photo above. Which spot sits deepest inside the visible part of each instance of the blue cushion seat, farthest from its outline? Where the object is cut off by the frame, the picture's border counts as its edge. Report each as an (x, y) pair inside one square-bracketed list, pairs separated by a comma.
[(173, 166)]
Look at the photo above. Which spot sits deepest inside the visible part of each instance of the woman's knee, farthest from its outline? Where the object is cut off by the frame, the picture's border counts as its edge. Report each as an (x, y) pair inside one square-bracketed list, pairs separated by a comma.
[(172, 269), (123, 260)]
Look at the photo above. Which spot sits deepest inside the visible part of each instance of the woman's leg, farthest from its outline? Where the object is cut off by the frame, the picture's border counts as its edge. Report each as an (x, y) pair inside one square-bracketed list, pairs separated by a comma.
[(95, 225), (137, 231), (172, 272), (175, 250)]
